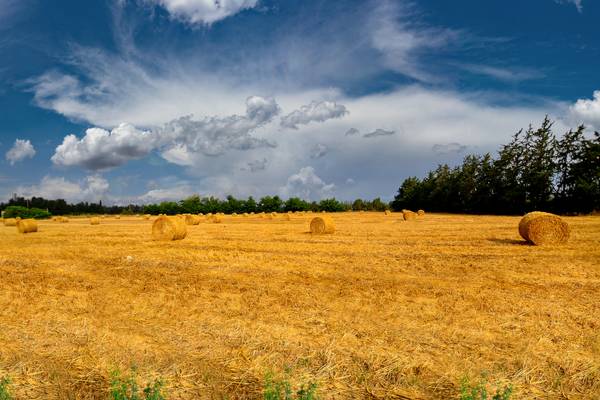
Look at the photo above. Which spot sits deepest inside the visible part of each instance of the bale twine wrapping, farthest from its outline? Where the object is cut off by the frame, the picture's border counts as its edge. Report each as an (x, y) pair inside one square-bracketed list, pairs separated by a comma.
[(409, 215), (322, 225), (542, 228), (27, 226), (10, 222), (95, 221), (169, 228), (421, 213)]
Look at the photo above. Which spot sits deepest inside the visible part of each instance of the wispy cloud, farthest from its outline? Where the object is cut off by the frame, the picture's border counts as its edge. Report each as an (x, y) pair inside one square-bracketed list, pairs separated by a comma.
[(503, 74), (314, 112)]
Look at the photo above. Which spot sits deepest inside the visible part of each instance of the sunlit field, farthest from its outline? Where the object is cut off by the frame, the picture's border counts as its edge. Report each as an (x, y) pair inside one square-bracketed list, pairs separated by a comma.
[(382, 308)]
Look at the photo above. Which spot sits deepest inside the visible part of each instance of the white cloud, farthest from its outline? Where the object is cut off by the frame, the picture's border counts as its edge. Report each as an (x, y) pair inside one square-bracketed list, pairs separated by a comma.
[(186, 138), (401, 43), (205, 11), (180, 141), (21, 150), (503, 74), (100, 149), (313, 112), (167, 194), (93, 188), (307, 185), (352, 132), (587, 111)]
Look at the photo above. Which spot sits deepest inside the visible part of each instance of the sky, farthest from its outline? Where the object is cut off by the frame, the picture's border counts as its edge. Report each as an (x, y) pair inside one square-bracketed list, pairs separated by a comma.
[(140, 101)]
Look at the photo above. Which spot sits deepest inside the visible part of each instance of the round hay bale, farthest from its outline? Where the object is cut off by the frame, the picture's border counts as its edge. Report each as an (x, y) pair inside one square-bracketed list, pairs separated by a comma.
[(147, 216), (10, 222), (542, 228), (217, 219), (95, 221), (421, 213), (409, 215), (388, 212), (27, 226), (287, 217), (117, 216), (169, 228), (191, 219), (322, 225)]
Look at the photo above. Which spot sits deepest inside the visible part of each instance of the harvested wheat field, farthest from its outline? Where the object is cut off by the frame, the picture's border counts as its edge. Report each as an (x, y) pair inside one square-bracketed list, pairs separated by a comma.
[(382, 308)]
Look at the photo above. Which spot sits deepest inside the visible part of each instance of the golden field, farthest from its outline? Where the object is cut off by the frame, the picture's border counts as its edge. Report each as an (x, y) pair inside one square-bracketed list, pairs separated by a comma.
[(381, 309)]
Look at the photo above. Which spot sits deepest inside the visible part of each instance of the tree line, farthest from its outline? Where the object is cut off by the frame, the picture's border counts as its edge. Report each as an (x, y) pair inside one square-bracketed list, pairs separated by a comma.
[(193, 205), (537, 170)]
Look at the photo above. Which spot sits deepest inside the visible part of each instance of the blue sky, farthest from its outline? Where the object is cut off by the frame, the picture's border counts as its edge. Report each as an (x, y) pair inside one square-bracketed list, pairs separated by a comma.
[(150, 100)]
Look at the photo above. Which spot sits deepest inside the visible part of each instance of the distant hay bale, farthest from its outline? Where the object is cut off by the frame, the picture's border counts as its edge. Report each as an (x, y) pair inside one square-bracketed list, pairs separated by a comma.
[(63, 220), (27, 226), (95, 221), (147, 216), (245, 215), (117, 216), (409, 215), (191, 219), (421, 213), (169, 228), (322, 225), (216, 219), (388, 212), (10, 222), (287, 217), (542, 228)]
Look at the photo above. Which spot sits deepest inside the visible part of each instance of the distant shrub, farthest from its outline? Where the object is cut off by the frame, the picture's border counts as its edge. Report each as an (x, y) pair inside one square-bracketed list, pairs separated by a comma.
[(4, 394), (479, 391), (282, 390), (24, 212), (127, 388)]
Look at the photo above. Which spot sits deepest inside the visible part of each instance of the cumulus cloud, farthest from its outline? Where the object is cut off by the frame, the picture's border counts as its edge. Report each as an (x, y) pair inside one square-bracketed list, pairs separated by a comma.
[(100, 149), (204, 11), (21, 150), (92, 188), (379, 132), (313, 112), (318, 150), (180, 141), (213, 136), (307, 185), (255, 165), (352, 132), (587, 111), (448, 148)]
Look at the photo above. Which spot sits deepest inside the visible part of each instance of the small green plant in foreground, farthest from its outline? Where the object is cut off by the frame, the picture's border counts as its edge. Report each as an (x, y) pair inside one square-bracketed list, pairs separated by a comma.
[(479, 392), (282, 390), (4, 394), (126, 388)]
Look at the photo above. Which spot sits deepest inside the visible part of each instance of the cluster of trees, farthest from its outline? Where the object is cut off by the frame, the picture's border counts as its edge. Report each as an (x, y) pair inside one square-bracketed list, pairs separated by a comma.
[(61, 207), (196, 204), (24, 212), (535, 171)]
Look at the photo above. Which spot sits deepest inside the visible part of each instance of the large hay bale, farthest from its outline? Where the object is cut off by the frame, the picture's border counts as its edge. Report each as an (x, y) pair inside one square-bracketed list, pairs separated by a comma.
[(421, 213), (169, 228), (191, 219), (409, 215), (27, 226), (542, 228), (94, 221), (322, 225), (10, 222)]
